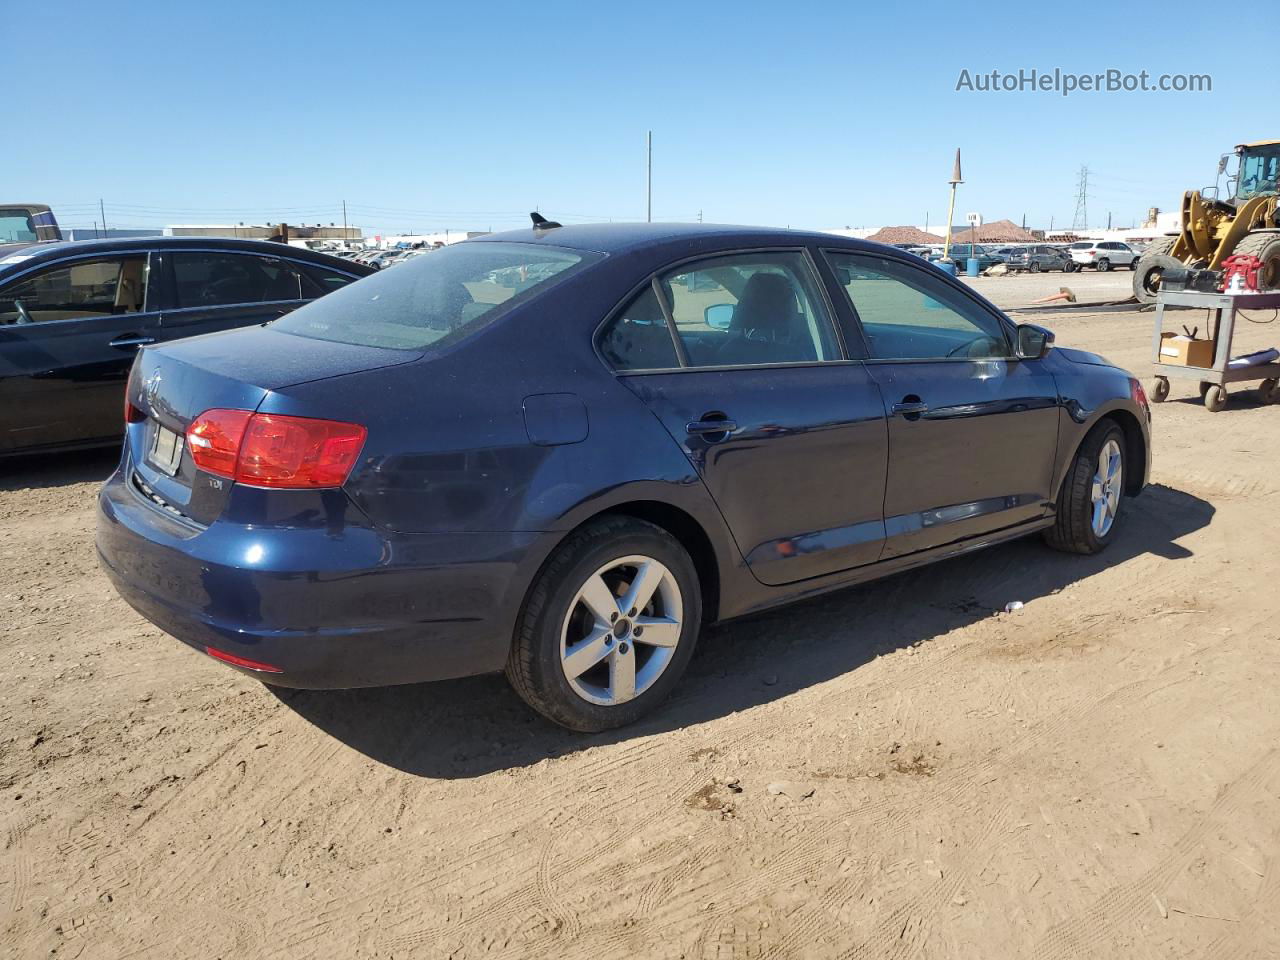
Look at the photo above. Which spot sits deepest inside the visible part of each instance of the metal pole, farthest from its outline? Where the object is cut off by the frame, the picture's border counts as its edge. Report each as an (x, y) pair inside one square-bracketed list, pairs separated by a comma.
[(648, 175), (344, 222), (951, 209), (102, 211)]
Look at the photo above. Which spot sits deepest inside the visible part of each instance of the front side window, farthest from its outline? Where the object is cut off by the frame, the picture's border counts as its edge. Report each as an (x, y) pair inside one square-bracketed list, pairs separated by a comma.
[(208, 279), (74, 291), (438, 300), (751, 309), (906, 314)]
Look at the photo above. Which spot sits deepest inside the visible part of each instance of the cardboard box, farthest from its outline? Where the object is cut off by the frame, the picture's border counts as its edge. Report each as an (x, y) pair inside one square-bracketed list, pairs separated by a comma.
[(1181, 350)]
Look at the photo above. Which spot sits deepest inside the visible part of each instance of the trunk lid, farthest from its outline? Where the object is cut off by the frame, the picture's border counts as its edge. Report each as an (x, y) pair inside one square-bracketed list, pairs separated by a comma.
[(174, 383)]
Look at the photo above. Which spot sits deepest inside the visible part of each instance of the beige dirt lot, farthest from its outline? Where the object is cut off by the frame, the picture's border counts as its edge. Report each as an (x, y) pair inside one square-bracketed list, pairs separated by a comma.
[(1096, 775)]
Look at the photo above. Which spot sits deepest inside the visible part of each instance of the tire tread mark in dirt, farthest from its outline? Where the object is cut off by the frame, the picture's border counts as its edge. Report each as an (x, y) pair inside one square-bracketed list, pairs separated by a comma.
[(1085, 934)]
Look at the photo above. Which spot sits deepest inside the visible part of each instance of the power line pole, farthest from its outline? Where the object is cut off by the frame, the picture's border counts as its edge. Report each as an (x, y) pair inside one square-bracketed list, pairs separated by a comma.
[(103, 211), (344, 221), (648, 176), (1081, 221)]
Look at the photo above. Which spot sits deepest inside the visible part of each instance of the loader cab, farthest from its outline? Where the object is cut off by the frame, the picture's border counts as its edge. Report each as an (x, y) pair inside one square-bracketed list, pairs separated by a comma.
[(1258, 171)]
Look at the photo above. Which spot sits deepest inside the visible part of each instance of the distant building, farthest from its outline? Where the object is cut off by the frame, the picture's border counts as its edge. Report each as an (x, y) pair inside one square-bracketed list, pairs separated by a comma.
[(111, 233), (253, 231)]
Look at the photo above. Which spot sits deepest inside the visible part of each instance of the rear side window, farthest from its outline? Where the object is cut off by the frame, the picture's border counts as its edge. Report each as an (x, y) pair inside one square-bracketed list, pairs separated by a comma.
[(317, 281), (438, 300), (639, 338), (749, 309), (222, 279)]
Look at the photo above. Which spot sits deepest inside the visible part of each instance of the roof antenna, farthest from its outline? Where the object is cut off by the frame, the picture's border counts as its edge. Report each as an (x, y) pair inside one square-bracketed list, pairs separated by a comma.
[(542, 223)]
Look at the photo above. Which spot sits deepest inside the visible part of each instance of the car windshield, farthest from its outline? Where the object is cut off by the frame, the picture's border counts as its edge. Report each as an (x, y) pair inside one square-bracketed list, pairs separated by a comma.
[(436, 300), (16, 227)]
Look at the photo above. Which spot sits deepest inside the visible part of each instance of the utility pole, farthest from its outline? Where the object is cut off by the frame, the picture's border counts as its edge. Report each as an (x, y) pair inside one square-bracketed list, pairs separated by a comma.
[(648, 176), (1081, 221), (955, 181), (344, 222), (102, 211), (1108, 219), (699, 216)]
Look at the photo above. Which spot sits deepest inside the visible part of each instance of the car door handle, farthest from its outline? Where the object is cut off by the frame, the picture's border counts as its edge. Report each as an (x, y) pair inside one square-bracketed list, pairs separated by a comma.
[(127, 340), (910, 408), (702, 428)]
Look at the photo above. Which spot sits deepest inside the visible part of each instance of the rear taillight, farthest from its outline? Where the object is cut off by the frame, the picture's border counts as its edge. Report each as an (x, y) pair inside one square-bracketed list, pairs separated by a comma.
[(131, 413), (271, 450), (214, 440), (1139, 395)]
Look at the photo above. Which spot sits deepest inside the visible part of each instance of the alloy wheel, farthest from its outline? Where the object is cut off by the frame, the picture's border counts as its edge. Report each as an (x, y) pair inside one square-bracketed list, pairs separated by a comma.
[(1107, 486), (621, 630)]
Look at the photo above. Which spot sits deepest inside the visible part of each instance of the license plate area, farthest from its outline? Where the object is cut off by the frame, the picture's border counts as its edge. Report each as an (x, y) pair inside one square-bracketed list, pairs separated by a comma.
[(164, 451)]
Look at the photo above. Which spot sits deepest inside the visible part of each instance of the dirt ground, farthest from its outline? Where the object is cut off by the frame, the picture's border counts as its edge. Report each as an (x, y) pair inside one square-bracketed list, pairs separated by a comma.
[(897, 770)]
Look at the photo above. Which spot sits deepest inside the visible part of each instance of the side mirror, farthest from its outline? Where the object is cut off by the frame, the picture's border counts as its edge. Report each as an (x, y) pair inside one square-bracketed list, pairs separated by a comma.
[(1222, 163), (1033, 341), (718, 316)]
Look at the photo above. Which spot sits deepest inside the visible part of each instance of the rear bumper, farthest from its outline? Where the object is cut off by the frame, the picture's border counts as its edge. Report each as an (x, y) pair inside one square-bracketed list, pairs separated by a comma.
[(353, 607)]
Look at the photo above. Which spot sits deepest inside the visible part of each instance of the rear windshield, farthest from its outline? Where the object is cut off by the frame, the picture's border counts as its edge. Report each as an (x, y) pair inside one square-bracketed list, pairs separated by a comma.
[(436, 299)]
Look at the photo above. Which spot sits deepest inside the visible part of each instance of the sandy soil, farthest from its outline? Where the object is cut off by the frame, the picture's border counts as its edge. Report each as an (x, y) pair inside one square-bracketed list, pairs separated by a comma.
[(898, 770)]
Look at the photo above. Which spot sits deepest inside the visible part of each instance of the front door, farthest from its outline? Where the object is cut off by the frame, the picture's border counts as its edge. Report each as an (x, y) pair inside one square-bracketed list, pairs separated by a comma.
[(788, 437), (973, 430), (68, 336)]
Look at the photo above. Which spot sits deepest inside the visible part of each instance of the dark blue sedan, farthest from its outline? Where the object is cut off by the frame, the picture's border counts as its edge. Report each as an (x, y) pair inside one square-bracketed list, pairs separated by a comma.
[(559, 452)]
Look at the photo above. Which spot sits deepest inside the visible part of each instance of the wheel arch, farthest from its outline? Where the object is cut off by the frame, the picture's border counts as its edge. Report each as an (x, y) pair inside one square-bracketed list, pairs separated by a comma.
[(686, 530), (1136, 451)]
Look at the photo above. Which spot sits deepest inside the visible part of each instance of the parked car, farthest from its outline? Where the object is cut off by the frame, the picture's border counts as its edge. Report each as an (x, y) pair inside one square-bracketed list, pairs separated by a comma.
[(1041, 256), (1103, 255), (962, 252), (429, 474), (72, 316)]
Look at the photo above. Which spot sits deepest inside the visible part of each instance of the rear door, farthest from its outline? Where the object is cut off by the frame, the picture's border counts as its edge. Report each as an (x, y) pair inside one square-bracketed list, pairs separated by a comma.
[(68, 335), (221, 289), (973, 430), (787, 435)]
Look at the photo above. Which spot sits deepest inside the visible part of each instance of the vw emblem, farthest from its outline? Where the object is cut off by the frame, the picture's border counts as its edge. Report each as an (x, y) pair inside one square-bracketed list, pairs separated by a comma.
[(151, 388)]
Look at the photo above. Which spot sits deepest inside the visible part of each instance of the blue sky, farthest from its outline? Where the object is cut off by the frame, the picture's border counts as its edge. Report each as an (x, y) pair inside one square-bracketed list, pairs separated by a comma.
[(466, 115)]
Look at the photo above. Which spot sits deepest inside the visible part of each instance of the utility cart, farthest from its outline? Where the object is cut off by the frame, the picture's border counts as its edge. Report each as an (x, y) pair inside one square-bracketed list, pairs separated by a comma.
[(1215, 377)]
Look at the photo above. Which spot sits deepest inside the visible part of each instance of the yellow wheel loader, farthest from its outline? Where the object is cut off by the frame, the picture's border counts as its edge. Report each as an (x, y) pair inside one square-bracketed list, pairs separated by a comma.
[(1212, 229)]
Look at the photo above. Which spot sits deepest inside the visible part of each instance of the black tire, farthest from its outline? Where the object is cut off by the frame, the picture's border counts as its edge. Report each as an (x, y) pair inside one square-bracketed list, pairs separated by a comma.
[(1103, 265), (534, 667), (1072, 530), (1266, 247), (1069, 267), (1149, 267), (1160, 390), (1035, 266)]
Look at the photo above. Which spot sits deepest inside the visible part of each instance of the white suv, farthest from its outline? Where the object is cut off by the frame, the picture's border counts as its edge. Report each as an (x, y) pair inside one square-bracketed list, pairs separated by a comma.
[(1103, 255)]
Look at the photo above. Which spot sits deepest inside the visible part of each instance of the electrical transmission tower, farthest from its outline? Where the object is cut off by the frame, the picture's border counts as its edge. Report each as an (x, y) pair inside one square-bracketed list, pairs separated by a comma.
[(1081, 221)]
